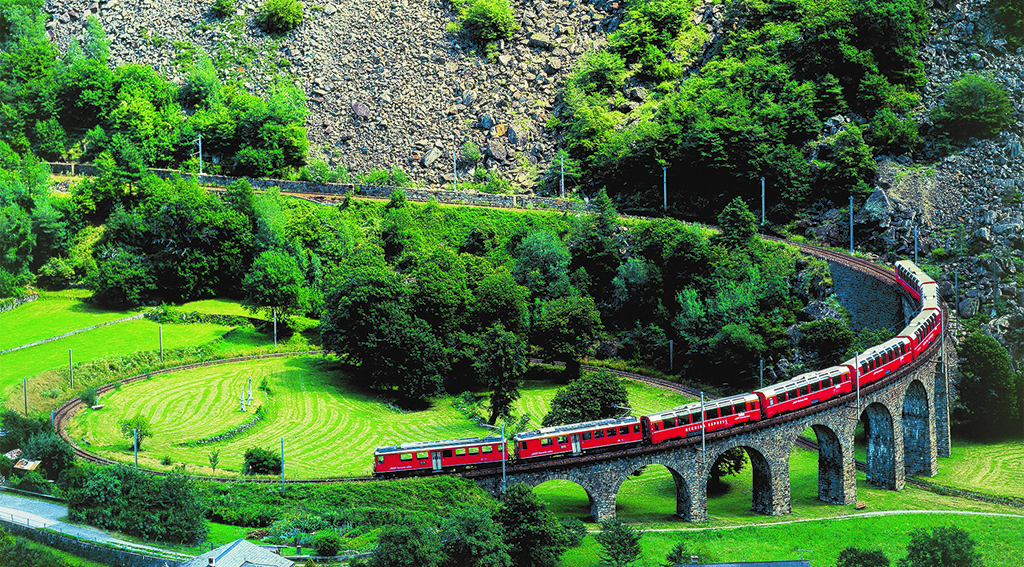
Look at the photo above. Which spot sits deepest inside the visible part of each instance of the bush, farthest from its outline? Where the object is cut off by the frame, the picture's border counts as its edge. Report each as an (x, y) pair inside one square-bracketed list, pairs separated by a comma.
[(489, 20), (223, 8), (262, 461), (575, 530), (974, 106), (470, 152), (280, 16), (89, 396), (327, 544)]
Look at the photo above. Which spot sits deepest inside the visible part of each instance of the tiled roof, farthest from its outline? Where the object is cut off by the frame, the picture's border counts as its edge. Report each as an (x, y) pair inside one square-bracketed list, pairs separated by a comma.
[(240, 553)]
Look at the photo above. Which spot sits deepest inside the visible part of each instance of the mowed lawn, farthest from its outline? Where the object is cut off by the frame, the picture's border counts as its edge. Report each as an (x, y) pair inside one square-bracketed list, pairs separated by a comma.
[(106, 342), (50, 316), (330, 428), (994, 468)]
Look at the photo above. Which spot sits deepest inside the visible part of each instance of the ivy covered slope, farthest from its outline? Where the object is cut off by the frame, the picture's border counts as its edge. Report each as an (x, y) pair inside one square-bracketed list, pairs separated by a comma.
[(752, 103)]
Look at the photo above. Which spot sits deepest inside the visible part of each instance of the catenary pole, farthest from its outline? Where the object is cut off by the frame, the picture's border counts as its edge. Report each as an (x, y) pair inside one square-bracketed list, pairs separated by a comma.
[(71, 368), (851, 224), (762, 203), (664, 188), (703, 430)]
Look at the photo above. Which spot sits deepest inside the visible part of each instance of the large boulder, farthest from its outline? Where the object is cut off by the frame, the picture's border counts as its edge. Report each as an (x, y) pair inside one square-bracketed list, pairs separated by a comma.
[(878, 209)]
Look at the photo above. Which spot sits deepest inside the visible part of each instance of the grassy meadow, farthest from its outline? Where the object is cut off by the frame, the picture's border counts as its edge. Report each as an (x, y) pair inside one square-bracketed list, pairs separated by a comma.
[(51, 315), (330, 425), (996, 468)]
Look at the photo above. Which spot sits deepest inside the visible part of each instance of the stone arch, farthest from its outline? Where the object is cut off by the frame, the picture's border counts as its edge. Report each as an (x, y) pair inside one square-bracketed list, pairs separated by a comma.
[(837, 483), (567, 476), (918, 431), (684, 492), (881, 441), (771, 478)]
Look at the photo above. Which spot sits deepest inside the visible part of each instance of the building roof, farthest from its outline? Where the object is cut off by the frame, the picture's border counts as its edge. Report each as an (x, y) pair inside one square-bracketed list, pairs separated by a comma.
[(239, 553)]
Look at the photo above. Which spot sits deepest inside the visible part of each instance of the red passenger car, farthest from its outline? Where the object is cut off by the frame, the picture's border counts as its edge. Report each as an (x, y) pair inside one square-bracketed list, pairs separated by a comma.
[(882, 359), (578, 438), (914, 279), (684, 421), (437, 456), (805, 390)]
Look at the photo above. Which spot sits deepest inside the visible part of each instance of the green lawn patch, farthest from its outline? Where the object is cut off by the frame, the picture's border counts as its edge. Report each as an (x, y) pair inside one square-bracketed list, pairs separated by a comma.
[(643, 398), (996, 469), (50, 316), (106, 342)]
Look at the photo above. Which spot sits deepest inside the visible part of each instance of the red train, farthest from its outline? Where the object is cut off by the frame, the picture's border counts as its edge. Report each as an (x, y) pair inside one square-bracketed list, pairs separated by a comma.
[(791, 395)]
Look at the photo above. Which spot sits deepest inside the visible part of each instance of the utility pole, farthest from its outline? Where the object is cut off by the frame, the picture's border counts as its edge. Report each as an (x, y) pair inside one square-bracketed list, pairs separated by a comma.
[(761, 371), (664, 188), (856, 375), (275, 327), (282, 466), (703, 431), (199, 141), (762, 203), (851, 224), (915, 244), (455, 172), (135, 446), (561, 173), (161, 331), (671, 357)]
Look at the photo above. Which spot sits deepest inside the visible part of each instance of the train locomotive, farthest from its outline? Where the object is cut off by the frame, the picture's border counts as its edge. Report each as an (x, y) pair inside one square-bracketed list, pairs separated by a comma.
[(688, 420)]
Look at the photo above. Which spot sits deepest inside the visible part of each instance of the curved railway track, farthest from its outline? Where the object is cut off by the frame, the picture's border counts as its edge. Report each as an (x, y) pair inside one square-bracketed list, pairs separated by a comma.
[(64, 413)]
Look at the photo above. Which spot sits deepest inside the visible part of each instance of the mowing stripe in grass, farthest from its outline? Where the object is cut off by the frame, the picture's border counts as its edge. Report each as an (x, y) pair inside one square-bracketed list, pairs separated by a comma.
[(50, 317)]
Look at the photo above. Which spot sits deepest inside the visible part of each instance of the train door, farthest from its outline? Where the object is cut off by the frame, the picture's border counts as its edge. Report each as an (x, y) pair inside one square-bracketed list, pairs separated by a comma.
[(576, 449), (436, 458)]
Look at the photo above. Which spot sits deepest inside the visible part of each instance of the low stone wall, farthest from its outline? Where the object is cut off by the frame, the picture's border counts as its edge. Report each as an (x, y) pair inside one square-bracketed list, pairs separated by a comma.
[(98, 553), (872, 304), (381, 191), (13, 303)]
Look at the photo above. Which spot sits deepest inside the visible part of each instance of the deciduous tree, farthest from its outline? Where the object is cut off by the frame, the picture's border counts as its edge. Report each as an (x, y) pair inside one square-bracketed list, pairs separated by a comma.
[(534, 536), (620, 543), (946, 546)]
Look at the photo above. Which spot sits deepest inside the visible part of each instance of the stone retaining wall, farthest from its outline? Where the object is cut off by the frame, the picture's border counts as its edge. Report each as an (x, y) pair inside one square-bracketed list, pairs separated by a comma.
[(9, 304), (872, 304), (381, 191), (98, 553)]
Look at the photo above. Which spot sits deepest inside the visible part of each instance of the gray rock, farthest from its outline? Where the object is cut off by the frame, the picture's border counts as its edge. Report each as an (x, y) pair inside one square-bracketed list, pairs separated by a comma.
[(487, 121), (1008, 226), (360, 109), (330, 10), (982, 237), (968, 307), (497, 150), (468, 97), (504, 59), (430, 157), (878, 209), (540, 40)]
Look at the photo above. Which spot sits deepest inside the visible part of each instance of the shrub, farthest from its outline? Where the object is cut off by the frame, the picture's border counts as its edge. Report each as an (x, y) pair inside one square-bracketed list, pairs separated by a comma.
[(327, 544), (56, 273), (262, 461), (890, 130), (470, 152), (489, 20), (223, 8), (575, 530), (89, 396), (280, 16), (974, 106)]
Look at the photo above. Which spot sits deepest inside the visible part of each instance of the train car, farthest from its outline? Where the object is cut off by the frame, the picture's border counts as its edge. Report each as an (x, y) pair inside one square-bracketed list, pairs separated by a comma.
[(437, 456), (684, 421), (913, 279), (805, 390), (924, 330), (880, 360), (592, 436)]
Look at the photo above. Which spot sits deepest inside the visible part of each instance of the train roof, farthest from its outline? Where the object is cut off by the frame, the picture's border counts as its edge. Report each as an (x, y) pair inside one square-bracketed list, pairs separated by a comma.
[(695, 406), (802, 379), (877, 349), (911, 267), (545, 431), (419, 445)]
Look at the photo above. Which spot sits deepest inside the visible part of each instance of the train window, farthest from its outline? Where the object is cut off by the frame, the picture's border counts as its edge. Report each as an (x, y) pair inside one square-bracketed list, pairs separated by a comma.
[(487, 449), (693, 418), (610, 431), (501, 448), (545, 442), (792, 394), (380, 458), (670, 422), (563, 439), (523, 445), (586, 436), (636, 428), (405, 456), (804, 390), (781, 397), (814, 387), (474, 450), (422, 455), (740, 407), (460, 452), (624, 430), (599, 434), (726, 411)]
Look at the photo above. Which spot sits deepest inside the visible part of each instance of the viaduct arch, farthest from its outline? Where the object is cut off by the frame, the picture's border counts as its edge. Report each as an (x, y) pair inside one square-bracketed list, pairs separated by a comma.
[(905, 416)]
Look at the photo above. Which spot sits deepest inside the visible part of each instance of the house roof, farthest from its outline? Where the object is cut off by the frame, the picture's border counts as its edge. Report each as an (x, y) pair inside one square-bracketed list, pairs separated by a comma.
[(239, 553)]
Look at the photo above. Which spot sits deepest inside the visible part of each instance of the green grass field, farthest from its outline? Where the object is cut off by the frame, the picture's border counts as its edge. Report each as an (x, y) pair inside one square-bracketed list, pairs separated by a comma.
[(996, 468), (330, 426), (999, 540), (106, 342), (537, 395), (49, 316)]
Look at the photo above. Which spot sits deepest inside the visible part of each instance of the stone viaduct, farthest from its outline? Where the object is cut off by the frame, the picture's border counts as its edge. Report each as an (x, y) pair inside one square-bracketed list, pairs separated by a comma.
[(906, 425)]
